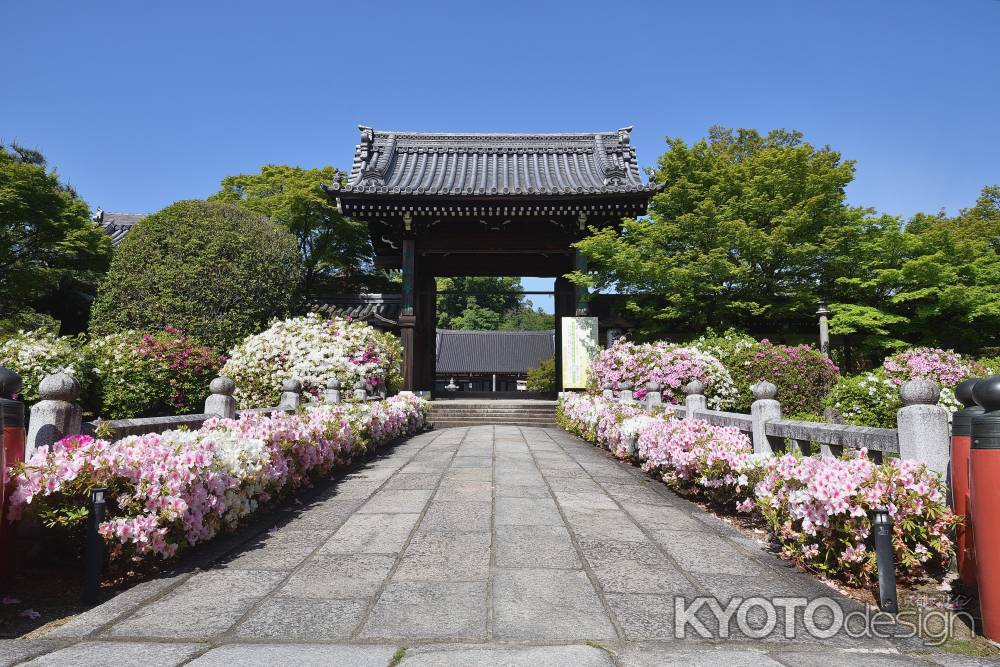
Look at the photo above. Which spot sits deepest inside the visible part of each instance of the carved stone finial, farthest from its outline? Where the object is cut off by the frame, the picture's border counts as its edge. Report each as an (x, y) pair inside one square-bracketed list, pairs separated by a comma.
[(764, 390), (694, 388), (919, 391), (625, 384), (653, 387), (223, 386), (333, 383), (292, 385), (361, 384), (10, 383), (59, 387)]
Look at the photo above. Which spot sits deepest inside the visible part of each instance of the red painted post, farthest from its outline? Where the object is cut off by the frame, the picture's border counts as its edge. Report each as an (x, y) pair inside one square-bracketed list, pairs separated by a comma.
[(961, 444), (11, 453), (984, 499)]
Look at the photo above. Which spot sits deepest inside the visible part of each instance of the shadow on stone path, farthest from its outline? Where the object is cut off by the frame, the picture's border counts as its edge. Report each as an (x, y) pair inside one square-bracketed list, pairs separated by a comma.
[(493, 545)]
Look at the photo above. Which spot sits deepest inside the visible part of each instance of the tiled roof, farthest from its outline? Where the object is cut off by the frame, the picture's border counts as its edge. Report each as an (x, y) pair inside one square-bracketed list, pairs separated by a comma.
[(408, 163), (117, 225), (492, 351), (376, 309)]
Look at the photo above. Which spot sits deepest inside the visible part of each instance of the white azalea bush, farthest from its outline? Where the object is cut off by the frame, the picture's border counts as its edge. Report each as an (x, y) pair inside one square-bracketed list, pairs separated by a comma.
[(312, 349), (35, 354)]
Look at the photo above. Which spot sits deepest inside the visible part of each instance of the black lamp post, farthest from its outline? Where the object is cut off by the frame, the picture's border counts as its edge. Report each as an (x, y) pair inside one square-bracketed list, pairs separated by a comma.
[(882, 526), (94, 557)]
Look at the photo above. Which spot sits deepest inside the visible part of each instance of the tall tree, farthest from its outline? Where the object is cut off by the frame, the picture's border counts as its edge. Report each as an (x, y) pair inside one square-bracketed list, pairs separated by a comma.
[(51, 253), (487, 303), (333, 248), (735, 238)]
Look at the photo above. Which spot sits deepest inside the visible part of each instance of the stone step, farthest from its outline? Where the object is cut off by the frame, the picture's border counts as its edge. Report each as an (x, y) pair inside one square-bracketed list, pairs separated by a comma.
[(464, 424)]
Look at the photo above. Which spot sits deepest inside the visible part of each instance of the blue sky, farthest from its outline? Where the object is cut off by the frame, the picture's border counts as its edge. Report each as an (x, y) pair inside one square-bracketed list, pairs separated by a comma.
[(140, 104)]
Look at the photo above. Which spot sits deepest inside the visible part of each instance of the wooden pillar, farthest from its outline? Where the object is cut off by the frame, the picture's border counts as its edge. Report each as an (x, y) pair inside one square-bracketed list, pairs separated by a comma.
[(408, 316), (426, 327), (565, 306)]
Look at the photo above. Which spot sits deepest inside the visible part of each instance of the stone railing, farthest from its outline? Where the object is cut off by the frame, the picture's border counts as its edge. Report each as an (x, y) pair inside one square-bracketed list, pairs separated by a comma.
[(922, 433), (58, 415)]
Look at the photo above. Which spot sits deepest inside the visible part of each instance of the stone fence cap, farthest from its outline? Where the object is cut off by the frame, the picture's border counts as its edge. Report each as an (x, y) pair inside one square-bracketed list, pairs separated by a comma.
[(919, 391), (222, 385), (292, 385), (694, 388), (59, 387), (764, 390)]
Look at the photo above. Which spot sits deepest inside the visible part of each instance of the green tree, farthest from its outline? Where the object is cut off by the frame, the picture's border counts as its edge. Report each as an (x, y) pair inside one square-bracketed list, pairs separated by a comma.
[(214, 270), (51, 253), (735, 239), (476, 302), (526, 318), (931, 281), (333, 248)]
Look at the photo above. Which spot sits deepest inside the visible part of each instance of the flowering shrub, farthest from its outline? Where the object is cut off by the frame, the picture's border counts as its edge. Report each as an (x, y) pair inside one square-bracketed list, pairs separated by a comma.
[(802, 374), (672, 366), (868, 399), (872, 398), (35, 354), (692, 455), (312, 349), (818, 507), (944, 367), (179, 488), (145, 375)]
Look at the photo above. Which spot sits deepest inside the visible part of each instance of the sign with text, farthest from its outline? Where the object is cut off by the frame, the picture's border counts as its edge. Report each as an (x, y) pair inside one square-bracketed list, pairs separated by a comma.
[(579, 345)]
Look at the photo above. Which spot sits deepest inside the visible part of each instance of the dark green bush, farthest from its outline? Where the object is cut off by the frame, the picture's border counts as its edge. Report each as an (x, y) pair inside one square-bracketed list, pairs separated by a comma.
[(213, 270), (543, 377)]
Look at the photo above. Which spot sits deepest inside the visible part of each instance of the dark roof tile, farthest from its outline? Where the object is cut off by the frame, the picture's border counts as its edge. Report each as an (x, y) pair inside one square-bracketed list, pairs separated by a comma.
[(492, 351), (407, 163)]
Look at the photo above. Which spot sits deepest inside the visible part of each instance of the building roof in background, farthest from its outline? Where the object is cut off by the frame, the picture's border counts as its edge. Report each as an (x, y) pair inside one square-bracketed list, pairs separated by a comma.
[(375, 309), (117, 225), (427, 163), (493, 351)]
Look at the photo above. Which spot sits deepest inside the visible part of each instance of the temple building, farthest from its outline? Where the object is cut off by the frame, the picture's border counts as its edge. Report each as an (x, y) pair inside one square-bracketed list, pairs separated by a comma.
[(446, 204)]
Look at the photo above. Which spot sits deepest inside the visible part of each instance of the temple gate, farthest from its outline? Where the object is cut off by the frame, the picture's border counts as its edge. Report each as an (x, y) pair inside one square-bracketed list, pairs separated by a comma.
[(442, 204)]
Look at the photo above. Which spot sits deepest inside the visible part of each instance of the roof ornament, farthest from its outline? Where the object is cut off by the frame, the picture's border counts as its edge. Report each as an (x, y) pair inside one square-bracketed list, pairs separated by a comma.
[(625, 135), (612, 172), (98, 215), (374, 171)]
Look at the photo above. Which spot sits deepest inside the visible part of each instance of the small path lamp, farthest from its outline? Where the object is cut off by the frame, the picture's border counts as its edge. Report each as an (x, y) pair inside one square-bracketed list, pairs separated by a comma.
[(882, 527), (94, 558)]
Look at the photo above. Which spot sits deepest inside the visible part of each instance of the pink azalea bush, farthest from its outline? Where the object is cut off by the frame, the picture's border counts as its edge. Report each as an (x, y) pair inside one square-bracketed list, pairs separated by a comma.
[(818, 507), (945, 367), (175, 489), (671, 366)]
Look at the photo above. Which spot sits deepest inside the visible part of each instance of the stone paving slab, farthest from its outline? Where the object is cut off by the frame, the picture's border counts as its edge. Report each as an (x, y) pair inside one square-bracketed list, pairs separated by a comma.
[(478, 545)]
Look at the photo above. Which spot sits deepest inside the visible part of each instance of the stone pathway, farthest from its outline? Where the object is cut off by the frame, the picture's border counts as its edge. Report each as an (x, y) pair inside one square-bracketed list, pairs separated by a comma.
[(493, 545)]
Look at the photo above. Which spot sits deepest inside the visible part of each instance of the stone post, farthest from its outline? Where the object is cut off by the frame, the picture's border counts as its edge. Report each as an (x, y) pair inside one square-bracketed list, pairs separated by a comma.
[(922, 426), (332, 394), (625, 393), (607, 392), (221, 402), (763, 409), (291, 393), (694, 399), (824, 328), (56, 415), (360, 390), (653, 396)]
